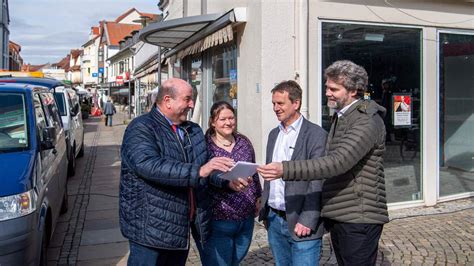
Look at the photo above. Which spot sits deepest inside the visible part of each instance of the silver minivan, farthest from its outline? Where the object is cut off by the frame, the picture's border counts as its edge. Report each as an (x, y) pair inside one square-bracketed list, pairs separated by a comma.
[(70, 110)]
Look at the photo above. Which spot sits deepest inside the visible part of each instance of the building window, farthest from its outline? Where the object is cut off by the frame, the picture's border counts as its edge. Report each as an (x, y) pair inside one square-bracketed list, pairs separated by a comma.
[(177, 69), (224, 75), (121, 67), (193, 71), (392, 58), (456, 109)]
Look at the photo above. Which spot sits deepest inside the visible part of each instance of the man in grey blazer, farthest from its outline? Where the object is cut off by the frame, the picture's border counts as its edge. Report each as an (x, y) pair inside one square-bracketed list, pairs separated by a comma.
[(291, 210)]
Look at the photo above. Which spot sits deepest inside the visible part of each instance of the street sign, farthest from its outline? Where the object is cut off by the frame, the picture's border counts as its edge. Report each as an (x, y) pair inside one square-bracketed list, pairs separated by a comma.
[(119, 80), (95, 75), (101, 70)]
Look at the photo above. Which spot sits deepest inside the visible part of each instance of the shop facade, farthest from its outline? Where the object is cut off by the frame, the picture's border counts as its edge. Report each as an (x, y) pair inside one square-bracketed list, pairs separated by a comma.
[(419, 57)]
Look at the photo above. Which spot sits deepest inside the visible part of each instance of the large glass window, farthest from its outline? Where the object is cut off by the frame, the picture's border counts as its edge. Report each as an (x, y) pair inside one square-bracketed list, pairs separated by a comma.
[(456, 92), (392, 58), (193, 70), (224, 75), (13, 129), (59, 97)]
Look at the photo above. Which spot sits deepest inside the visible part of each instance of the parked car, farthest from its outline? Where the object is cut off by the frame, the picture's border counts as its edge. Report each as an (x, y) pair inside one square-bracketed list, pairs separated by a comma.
[(69, 109), (33, 163)]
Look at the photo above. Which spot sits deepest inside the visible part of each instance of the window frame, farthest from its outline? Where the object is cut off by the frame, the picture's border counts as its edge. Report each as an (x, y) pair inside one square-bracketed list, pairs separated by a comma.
[(460, 195), (423, 103)]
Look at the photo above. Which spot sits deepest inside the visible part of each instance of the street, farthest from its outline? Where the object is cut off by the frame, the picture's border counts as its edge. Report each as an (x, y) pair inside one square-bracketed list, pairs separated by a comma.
[(89, 233)]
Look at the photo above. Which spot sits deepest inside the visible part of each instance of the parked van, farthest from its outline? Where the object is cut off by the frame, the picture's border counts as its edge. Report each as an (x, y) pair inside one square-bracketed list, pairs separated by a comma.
[(69, 108), (33, 176)]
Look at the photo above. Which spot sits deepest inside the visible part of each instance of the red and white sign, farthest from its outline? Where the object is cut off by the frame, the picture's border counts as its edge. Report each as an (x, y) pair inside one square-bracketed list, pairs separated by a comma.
[(119, 80)]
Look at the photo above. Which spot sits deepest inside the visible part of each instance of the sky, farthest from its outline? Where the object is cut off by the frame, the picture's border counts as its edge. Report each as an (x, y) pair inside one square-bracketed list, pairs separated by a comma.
[(47, 30)]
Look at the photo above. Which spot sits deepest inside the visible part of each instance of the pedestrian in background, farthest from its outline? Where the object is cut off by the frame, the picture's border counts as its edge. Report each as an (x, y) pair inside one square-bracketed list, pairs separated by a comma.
[(109, 111), (233, 211), (164, 180), (354, 198), (291, 210)]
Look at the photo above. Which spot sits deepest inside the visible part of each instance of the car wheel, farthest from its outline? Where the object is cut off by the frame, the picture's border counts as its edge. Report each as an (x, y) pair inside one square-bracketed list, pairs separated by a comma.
[(81, 151), (44, 249), (71, 169), (64, 204)]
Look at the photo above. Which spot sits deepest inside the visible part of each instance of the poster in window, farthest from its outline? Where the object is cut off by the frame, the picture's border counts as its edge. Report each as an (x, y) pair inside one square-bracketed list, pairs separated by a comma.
[(402, 109)]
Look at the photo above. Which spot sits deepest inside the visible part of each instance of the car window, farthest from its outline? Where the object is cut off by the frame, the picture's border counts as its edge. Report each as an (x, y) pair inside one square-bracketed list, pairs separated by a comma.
[(52, 115), (74, 98), (39, 115), (13, 122), (70, 99), (59, 97)]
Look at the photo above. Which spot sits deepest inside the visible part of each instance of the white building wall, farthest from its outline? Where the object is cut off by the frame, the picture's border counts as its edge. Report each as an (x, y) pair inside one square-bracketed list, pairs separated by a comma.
[(109, 52), (129, 19), (90, 62)]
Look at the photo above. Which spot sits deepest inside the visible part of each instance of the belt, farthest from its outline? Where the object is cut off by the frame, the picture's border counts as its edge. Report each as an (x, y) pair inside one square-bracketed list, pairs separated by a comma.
[(280, 213)]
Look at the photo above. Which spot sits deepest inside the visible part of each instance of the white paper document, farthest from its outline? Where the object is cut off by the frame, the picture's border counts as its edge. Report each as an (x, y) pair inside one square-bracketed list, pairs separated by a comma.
[(240, 169)]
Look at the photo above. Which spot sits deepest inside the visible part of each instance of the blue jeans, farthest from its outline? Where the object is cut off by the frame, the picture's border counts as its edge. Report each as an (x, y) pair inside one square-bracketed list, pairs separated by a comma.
[(142, 255), (287, 251), (228, 243), (108, 120)]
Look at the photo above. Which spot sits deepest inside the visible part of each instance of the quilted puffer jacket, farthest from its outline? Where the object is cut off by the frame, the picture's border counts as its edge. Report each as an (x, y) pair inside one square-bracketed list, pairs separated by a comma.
[(354, 186), (157, 171)]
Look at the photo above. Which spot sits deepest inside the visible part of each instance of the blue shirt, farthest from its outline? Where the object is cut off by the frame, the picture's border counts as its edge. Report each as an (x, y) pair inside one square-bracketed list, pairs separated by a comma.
[(179, 130)]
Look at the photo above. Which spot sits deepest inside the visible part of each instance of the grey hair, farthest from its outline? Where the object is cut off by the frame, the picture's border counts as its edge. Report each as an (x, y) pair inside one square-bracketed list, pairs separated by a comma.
[(348, 74)]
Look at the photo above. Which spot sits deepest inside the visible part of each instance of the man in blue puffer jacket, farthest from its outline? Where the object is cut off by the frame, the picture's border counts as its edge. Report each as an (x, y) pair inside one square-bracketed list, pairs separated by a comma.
[(163, 182)]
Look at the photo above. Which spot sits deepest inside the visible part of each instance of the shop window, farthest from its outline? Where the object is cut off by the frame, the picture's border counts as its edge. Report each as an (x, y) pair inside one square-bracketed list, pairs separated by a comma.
[(177, 69), (392, 58), (224, 75), (193, 70), (456, 113)]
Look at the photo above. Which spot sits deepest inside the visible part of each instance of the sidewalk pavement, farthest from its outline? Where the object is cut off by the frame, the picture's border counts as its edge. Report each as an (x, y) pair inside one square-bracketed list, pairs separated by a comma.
[(89, 233)]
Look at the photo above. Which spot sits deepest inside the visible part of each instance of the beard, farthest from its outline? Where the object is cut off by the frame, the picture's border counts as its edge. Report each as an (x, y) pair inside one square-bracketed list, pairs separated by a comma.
[(337, 105)]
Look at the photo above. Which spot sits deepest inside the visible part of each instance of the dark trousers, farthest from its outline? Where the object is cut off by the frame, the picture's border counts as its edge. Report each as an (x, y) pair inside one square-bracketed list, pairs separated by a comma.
[(354, 244), (142, 255), (108, 120)]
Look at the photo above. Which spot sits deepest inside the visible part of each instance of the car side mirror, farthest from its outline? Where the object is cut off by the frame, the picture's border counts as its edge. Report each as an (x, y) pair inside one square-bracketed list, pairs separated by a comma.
[(49, 138)]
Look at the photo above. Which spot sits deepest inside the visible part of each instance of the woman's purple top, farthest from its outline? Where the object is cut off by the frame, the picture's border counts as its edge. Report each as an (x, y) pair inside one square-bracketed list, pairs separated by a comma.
[(227, 204)]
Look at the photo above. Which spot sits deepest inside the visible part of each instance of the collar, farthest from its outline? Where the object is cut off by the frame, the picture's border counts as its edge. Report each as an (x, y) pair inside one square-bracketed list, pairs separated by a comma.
[(296, 126), (167, 119), (343, 110)]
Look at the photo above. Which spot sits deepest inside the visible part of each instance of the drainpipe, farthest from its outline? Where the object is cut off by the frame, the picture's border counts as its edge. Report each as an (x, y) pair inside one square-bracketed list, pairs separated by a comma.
[(158, 74), (301, 31), (129, 96)]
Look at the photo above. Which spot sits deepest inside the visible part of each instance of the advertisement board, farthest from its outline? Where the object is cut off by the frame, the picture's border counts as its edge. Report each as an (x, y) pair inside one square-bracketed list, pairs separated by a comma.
[(401, 109)]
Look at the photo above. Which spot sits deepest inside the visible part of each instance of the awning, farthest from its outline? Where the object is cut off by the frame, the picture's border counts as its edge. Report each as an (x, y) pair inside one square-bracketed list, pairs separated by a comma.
[(123, 92), (178, 34)]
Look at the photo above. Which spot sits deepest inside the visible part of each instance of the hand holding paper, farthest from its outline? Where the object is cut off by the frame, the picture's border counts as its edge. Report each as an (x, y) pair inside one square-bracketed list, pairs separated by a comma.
[(271, 171), (240, 183), (222, 164), (240, 169)]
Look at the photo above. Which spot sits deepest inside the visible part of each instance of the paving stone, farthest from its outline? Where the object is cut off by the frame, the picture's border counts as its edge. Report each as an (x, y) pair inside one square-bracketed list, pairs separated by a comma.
[(104, 251), (94, 237)]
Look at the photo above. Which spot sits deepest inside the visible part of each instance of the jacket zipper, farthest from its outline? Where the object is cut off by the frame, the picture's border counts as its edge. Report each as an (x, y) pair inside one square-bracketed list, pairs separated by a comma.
[(176, 134)]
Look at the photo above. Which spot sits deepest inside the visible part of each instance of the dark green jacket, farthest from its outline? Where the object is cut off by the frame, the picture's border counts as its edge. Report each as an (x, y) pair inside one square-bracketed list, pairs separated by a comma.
[(354, 186)]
